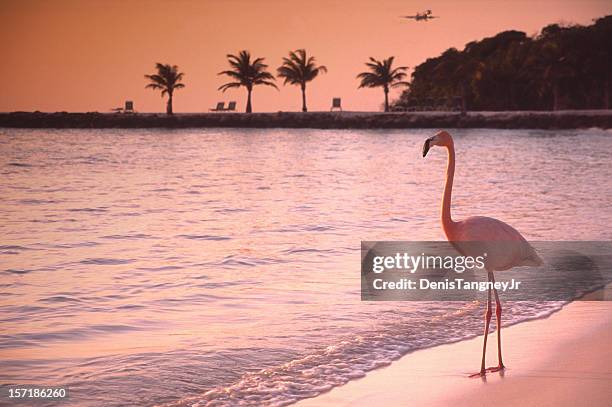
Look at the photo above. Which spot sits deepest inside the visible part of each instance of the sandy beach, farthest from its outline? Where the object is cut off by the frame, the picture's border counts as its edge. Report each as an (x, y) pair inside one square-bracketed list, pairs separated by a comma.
[(562, 360)]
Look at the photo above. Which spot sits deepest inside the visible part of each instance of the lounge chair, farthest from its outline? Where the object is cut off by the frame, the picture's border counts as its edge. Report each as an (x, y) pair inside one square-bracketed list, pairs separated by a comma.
[(231, 107), (336, 104), (219, 107), (129, 107)]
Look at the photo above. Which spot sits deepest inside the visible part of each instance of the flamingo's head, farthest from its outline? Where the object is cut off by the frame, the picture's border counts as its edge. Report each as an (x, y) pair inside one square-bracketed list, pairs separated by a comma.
[(441, 138)]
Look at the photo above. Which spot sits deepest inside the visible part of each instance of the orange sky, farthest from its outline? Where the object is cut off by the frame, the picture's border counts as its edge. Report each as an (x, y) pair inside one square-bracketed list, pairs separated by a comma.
[(87, 55)]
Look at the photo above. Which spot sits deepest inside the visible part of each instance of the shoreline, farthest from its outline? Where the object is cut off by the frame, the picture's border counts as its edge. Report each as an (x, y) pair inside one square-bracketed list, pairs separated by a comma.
[(568, 119), (563, 359)]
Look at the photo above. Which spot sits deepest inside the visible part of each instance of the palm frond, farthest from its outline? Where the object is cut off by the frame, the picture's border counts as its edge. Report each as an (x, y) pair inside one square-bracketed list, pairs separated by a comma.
[(263, 75), (167, 78), (298, 68), (267, 83), (381, 73), (232, 74), (229, 85), (244, 71)]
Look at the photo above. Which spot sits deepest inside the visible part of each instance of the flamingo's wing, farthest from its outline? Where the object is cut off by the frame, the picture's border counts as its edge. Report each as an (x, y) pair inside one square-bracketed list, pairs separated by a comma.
[(504, 245)]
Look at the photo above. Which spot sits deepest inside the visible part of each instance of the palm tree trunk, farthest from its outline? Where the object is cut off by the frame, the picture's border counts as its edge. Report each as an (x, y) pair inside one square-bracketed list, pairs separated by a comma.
[(169, 105), (304, 99), (386, 89), (248, 106)]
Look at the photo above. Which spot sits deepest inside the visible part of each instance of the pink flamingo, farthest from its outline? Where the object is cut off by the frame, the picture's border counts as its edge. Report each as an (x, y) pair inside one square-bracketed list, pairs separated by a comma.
[(504, 245)]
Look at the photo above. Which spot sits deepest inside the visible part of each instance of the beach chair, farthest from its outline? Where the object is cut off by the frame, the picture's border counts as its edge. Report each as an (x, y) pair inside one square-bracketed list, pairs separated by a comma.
[(129, 107), (231, 107), (219, 107), (336, 104)]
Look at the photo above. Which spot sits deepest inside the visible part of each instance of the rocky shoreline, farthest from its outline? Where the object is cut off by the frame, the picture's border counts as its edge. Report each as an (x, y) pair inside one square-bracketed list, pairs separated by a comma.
[(317, 120)]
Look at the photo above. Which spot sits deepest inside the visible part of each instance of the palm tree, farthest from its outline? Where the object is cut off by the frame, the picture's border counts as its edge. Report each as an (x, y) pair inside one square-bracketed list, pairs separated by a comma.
[(381, 74), (298, 70), (168, 79), (247, 74)]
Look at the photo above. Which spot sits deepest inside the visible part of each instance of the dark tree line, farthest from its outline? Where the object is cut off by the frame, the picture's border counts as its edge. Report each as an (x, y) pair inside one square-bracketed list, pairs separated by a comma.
[(564, 67)]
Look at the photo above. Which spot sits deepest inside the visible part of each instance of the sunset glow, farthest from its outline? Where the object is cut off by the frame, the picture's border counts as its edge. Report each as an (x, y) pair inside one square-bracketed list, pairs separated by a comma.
[(92, 55)]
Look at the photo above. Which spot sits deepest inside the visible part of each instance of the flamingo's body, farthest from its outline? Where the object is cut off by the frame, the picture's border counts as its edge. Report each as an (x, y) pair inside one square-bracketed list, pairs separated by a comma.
[(505, 246)]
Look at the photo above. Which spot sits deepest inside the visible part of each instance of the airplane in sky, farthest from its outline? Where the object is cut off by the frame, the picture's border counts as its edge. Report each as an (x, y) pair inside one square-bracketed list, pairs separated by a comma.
[(424, 16)]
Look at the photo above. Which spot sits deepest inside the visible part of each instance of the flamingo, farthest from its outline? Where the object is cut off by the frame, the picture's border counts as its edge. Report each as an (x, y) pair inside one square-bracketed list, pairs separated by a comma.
[(505, 246)]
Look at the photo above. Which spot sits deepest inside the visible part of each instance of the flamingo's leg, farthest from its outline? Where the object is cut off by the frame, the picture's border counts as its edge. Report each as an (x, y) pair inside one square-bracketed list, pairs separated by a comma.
[(498, 313), (486, 333)]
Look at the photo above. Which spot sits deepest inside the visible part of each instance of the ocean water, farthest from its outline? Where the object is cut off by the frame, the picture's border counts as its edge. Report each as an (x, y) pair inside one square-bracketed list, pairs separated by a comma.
[(222, 266)]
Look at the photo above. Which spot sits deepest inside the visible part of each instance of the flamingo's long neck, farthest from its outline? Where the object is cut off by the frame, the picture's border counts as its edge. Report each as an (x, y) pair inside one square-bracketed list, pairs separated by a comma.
[(447, 221)]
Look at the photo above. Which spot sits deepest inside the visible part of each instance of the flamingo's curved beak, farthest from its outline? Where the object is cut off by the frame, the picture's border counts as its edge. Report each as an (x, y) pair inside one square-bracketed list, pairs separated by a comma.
[(426, 146)]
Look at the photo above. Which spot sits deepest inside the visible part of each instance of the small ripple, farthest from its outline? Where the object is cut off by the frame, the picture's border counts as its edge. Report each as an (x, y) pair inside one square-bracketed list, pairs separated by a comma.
[(12, 249), (130, 306), (70, 245), (306, 250), (128, 236), (231, 210), (114, 328), (36, 201), (42, 338), (162, 268), (303, 208), (105, 261), (96, 210), (232, 260), (128, 214), (60, 298), (204, 237), (319, 228), (17, 271)]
